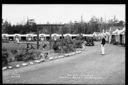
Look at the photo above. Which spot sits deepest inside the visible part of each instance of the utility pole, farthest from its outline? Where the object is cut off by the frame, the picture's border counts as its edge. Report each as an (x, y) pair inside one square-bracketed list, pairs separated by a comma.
[(101, 25), (62, 37), (50, 36), (37, 37)]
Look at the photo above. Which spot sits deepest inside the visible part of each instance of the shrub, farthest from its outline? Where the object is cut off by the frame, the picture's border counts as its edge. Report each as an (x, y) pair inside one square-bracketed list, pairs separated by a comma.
[(4, 57), (8, 56), (4, 49), (46, 55), (68, 45), (28, 56), (24, 55), (71, 48), (14, 51), (11, 57), (34, 54), (55, 46), (20, 55)]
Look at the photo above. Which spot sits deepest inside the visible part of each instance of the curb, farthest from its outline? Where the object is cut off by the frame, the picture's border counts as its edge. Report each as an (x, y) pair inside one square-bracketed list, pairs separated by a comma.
[(9, 67), (24, 64), (51, 58), (31, 63), (41, 60), (4, 68), (17, 65)]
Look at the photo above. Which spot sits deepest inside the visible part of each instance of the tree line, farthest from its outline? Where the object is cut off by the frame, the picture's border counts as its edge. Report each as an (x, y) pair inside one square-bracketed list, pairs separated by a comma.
[(93, 25)]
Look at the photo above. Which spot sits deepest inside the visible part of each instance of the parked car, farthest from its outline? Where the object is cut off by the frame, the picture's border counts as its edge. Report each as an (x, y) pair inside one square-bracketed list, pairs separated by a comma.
[(89, 41)]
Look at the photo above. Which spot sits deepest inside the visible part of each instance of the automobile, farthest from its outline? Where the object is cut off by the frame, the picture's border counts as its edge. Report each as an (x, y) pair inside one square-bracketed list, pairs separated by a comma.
[(89, 41)]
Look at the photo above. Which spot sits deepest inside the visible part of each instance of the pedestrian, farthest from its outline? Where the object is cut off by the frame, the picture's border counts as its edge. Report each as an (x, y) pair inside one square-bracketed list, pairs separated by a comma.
[(102, 46), (17, 40), (83, 45)]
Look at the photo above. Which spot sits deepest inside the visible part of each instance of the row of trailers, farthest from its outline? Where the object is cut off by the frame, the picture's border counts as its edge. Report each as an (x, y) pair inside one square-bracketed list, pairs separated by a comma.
[(33, 37), (116, 37)]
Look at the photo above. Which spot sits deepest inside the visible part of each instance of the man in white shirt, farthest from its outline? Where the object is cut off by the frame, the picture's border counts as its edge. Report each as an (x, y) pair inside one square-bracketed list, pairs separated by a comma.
[(102, 45)]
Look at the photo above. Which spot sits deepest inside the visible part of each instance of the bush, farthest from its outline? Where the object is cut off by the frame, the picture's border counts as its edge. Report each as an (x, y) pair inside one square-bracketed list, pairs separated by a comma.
[(8, 56), (20, 55), (77, 43), (71, 48), (56, 45), (11, 57), (14, 51), (27, 55), (4, 57), (68, 45), (35, 54), (4, 49)]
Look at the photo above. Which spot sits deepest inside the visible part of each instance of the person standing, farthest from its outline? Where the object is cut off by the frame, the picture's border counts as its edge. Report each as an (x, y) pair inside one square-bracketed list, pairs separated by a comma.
[(83, 45), (17, 40), (102, 46)]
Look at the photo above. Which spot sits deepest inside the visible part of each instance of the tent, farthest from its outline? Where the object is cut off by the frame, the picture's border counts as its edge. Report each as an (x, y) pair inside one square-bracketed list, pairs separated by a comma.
[(115, 32), (122, 36), (119, 36), (29, 36), (55, 36), (42, 36), (74, 35), (88, 35), (4, 36), (17, 36), (11, 36), (106, 34), (116, 36), (94, 34), (23, 37), (68, 34)]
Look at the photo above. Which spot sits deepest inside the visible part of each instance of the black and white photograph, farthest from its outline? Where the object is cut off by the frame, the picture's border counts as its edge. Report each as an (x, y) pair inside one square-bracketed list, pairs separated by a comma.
[(63, 44)]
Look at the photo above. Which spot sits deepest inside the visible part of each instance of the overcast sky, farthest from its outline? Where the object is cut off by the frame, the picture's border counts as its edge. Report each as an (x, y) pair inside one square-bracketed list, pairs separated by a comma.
[(64, 13)]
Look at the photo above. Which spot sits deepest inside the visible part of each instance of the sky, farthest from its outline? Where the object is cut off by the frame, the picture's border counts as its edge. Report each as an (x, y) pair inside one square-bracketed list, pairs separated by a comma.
[(60, 13)]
